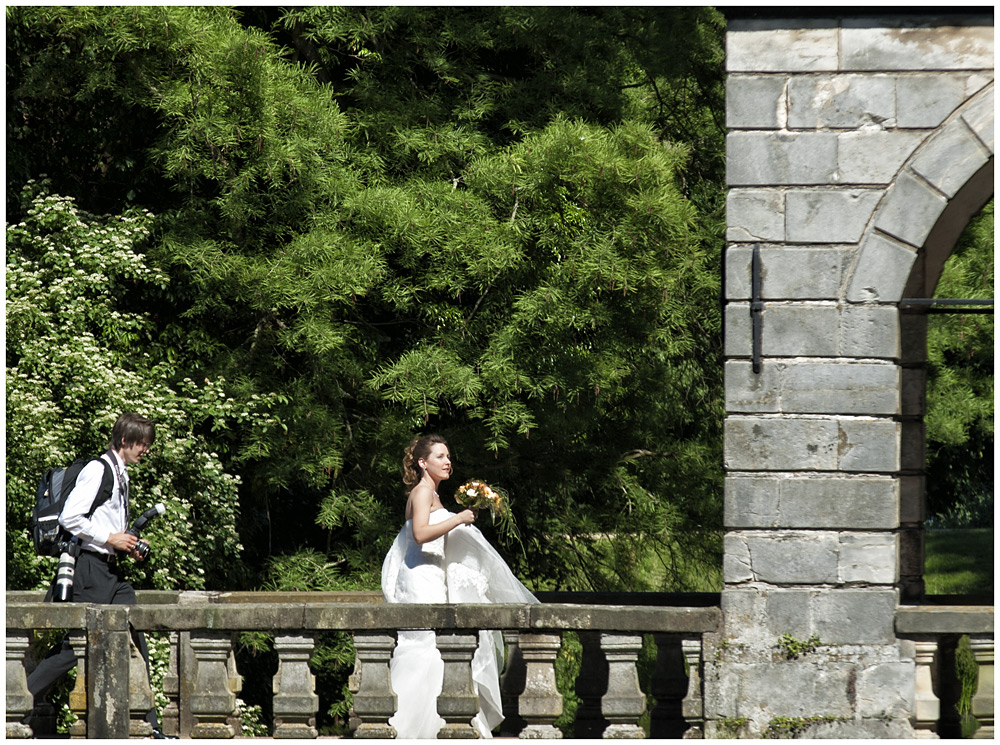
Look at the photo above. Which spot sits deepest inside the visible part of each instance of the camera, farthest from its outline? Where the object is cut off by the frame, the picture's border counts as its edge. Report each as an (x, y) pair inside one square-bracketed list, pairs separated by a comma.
[(141, 546), (62, 590)]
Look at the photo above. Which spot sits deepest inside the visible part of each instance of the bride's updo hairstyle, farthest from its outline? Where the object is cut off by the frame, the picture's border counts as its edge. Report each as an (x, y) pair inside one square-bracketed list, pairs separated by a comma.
[(419, 448)]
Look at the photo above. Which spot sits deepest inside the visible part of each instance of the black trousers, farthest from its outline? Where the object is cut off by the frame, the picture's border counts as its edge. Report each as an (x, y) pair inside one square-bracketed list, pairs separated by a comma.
[(95, 581)]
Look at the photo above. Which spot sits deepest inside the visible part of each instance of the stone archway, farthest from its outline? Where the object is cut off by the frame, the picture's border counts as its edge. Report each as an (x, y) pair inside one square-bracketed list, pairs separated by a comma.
[(859, 147)]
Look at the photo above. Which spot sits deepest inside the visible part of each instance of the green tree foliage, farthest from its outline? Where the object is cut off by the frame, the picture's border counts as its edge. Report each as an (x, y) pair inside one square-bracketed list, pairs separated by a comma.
[(499, 223), (960, 364), (76, 359)]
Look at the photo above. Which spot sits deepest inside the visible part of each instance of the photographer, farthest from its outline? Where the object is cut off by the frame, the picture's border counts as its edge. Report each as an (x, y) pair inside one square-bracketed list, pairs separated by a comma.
[(97, 577)]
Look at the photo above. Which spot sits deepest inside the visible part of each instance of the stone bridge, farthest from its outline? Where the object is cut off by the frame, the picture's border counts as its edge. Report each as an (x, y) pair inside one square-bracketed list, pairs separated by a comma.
[(859, 148)]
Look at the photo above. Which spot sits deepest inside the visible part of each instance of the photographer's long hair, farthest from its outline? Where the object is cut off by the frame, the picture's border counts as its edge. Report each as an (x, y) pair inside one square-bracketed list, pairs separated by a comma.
[(419, 448)]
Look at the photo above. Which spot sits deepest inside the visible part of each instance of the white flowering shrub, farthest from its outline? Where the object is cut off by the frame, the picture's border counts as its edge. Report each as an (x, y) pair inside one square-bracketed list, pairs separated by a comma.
[(78, 355)]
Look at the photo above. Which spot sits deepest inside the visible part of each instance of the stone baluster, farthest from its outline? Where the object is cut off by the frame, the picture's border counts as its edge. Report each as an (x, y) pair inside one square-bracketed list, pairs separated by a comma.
[(591, 685), (693, 706), (512, 686), (541, 702), (236, 686), (982, 701), (354, 685), (18, 699), (140, 696), (78, 696), (295, 699), (172, 688), (457, 704), (926, 705), (668, 686), (374, 701), (624, 702), (212, 699)]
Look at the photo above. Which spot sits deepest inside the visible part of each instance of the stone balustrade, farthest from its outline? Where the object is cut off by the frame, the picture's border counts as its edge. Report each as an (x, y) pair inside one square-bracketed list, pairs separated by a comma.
[(934, 631), (202, 682)]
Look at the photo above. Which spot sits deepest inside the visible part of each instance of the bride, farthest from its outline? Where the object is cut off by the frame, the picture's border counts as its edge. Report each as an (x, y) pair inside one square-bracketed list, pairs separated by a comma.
[(441, 557)]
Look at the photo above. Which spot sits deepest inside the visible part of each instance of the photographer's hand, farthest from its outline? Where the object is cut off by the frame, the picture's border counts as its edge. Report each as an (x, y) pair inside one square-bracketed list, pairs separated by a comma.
[(122, 542)]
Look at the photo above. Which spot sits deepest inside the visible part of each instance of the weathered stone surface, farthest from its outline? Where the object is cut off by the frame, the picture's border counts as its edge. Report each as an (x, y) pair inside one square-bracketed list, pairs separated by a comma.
[(773, 444), (817, 329), (868, 445), (788, 272), (763, 46), (951, 158), (796, 689), (828, 215), (882, 270), (737, 330), (860, 616), (886, 689), (868, 557), (855, 154), (910, 210), (736, 563), (813, 387), (789, 611), (852, 388), (839, 101), (755, 215), (811, 443), (925, 101), (868, 46), (878, 728), (107, 681), (869, 331), (747, 391), (755, 101), (806, 501), (801, 329), (944, 619), (979, 116), (840, 501), (764, 158), (793, 557)]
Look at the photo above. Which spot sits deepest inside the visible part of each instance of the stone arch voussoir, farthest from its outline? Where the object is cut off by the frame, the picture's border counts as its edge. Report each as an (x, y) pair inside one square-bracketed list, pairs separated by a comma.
[(958, 152)]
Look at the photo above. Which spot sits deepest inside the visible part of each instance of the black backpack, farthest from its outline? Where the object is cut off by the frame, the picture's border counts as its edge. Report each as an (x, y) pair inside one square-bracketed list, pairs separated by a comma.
[(53, 490)]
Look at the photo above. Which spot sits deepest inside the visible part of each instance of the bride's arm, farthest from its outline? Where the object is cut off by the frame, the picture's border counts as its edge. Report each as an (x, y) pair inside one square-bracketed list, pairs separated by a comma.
[(423, 531)]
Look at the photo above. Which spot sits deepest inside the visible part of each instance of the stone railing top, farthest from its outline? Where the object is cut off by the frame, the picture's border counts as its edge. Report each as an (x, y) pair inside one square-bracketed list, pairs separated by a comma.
[(944, 619), (347, 616)]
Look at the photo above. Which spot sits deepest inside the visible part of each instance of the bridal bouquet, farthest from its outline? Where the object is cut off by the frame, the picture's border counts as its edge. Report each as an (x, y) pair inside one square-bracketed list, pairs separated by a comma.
[(477, 495)]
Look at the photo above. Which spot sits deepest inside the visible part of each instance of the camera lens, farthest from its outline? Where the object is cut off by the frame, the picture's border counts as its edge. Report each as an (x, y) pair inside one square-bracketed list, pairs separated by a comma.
[(142, 548), (63, 591)]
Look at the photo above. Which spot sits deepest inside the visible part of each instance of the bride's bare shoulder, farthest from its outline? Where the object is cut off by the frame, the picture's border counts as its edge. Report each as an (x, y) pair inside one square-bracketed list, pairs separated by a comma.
[(420, 497)]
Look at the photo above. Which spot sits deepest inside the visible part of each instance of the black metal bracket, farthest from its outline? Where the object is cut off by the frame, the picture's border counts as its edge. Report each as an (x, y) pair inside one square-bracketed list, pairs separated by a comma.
[(947, 305), (756, 308)]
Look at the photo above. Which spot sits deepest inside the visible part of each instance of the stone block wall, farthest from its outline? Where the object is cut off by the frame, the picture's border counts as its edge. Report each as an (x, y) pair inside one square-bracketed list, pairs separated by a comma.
[(858, 149)]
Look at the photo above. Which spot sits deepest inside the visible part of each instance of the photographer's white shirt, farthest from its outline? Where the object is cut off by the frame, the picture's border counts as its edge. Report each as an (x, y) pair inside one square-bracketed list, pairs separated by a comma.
[(109, 518)]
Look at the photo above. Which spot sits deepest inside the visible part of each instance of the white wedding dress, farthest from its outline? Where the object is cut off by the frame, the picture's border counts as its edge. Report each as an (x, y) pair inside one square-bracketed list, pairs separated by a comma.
[(459, 567)]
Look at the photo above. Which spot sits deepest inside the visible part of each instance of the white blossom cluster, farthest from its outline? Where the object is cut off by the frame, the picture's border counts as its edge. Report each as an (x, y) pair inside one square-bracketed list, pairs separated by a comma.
[(76, 360)]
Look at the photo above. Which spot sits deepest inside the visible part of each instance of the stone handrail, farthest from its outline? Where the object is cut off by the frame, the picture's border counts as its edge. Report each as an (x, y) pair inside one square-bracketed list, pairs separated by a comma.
[(934, 630), (203, 682)]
